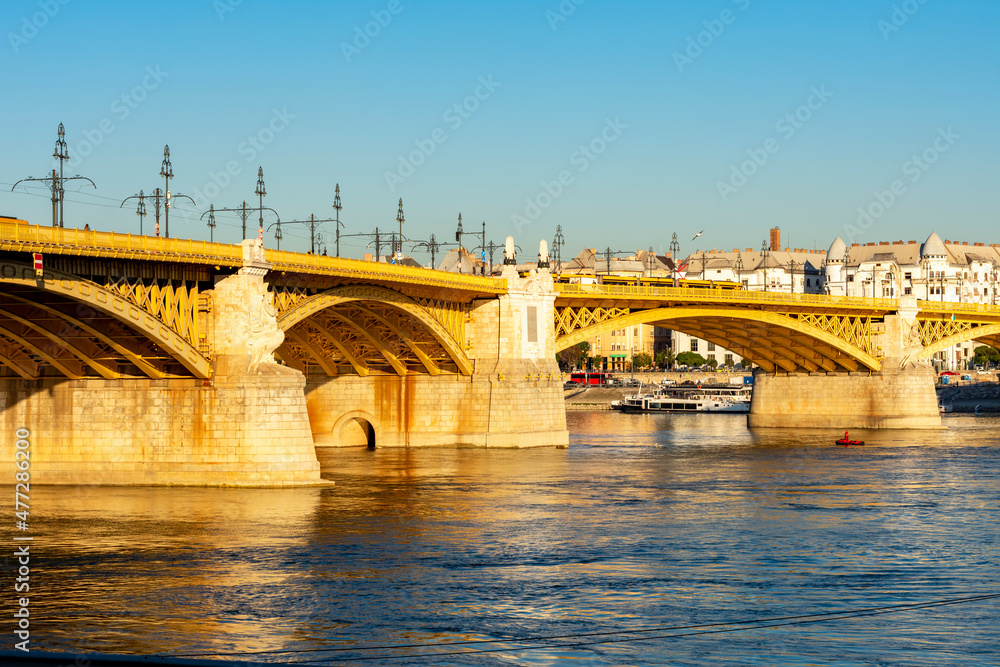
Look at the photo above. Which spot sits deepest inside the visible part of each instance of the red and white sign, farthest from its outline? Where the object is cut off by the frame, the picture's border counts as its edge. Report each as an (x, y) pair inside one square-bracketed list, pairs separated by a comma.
[(38, 263)]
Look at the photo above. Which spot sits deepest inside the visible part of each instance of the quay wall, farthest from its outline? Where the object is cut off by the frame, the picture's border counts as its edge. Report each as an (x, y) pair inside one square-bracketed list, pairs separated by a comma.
[(892, 398)]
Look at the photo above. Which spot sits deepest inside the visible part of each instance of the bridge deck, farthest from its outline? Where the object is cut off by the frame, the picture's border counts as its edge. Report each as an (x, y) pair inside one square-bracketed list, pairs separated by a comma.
[(18, 237), (651, 297)]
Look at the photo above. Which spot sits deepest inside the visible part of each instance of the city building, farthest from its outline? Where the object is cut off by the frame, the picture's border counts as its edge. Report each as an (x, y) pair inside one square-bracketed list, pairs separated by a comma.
[(934, 270)]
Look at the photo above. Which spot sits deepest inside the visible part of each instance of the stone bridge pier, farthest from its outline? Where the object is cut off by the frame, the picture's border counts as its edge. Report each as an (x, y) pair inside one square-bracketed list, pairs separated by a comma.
[(246, 426), (513, 398), (900, 395)]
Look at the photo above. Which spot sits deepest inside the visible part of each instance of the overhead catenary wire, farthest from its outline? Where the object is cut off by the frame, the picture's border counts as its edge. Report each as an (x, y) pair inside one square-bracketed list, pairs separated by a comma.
[(689, 631), (179, 211)]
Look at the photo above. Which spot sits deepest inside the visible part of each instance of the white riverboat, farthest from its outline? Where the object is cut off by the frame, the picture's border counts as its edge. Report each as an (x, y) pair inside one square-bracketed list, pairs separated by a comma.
[(693, 399)]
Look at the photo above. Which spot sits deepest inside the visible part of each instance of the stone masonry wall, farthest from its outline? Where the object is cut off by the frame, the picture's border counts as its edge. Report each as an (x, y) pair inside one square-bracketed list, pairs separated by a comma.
[(253, 432), (893, 398), (485, 410)]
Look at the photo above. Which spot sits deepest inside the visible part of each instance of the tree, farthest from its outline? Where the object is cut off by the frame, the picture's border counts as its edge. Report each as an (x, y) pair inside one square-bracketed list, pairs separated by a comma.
[(690, 359), (573, 357), (985, 354), (746, 363), (598, 361), (641, 360), (713, 363)]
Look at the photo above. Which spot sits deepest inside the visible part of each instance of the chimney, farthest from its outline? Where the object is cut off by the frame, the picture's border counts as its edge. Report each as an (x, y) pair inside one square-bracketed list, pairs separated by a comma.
[(775, 239)]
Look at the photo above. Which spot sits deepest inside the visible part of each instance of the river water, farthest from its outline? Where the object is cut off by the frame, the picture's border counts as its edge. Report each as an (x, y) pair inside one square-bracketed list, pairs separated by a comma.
[(644, 522)]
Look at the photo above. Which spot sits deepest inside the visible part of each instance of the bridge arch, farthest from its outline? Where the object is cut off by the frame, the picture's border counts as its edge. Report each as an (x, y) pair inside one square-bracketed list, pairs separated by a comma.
[(771, 340), (320, 315), (136, 318), (988, 334)]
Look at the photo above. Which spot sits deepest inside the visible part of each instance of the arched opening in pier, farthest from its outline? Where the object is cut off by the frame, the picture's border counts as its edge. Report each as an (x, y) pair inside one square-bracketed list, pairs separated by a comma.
[(358, 431)]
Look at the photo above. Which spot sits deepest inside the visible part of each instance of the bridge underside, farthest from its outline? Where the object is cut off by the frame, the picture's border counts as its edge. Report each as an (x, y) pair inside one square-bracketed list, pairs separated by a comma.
[(776, 342), (365, 338), (46, 334)]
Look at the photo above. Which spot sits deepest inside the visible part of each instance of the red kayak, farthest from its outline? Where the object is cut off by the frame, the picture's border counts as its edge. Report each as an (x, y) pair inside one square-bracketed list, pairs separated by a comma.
[(847, 443)]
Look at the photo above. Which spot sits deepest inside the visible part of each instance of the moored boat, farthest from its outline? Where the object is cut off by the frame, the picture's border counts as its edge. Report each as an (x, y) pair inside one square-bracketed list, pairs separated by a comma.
[(673, 399)]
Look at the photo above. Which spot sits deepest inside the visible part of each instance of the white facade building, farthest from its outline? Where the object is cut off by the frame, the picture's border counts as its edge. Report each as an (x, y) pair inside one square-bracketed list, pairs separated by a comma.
[(934, 270)]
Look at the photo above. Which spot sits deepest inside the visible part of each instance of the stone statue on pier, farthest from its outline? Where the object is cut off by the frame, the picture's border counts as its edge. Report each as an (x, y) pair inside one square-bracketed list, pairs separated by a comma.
[(509, 256), (543, 254)]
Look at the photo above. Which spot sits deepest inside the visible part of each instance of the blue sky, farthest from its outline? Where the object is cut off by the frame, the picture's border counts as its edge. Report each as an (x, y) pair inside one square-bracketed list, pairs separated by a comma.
[(623, 122)]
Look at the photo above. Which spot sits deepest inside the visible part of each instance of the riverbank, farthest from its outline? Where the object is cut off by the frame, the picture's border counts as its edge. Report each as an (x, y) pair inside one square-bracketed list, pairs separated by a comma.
[(595, 398), (968, 397)]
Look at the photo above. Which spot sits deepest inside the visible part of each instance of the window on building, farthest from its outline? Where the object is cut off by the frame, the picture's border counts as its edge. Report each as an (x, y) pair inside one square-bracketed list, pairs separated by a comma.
[(711, 357), (746, 284), (694, 344), (907, 291), (711, 346), (729, 360), (635, 331), (908, 276)]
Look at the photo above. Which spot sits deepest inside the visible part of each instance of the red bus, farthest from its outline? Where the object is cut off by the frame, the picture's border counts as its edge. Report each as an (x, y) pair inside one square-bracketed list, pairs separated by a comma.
[(595, 378)]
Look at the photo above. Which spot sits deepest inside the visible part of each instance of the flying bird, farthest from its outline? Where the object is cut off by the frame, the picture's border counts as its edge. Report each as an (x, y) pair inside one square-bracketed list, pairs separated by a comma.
[(698, 234)]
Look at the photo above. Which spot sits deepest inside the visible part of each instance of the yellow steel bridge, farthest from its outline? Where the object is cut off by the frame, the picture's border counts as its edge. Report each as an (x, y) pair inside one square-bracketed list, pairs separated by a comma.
[(118, 305)]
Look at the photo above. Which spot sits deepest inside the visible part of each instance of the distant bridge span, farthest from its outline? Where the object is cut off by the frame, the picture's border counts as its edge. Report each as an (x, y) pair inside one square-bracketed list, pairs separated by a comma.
[(775, 330)]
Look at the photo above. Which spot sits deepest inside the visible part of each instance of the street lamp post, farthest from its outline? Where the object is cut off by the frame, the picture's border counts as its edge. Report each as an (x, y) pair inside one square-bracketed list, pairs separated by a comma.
[(764, 254), (337, 207), (167, 172), (993, 282), (398, 250), (211, 223), (56, 182), (62, 154), (557, 244), (140, 210), (261, 192), (847, 256), (675, 250)]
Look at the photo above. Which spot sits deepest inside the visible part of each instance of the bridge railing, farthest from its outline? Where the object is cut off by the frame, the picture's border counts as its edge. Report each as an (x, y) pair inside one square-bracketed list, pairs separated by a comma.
[(62, 238), (741, 296), (284, 260), (951, 306), (20, 236)]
